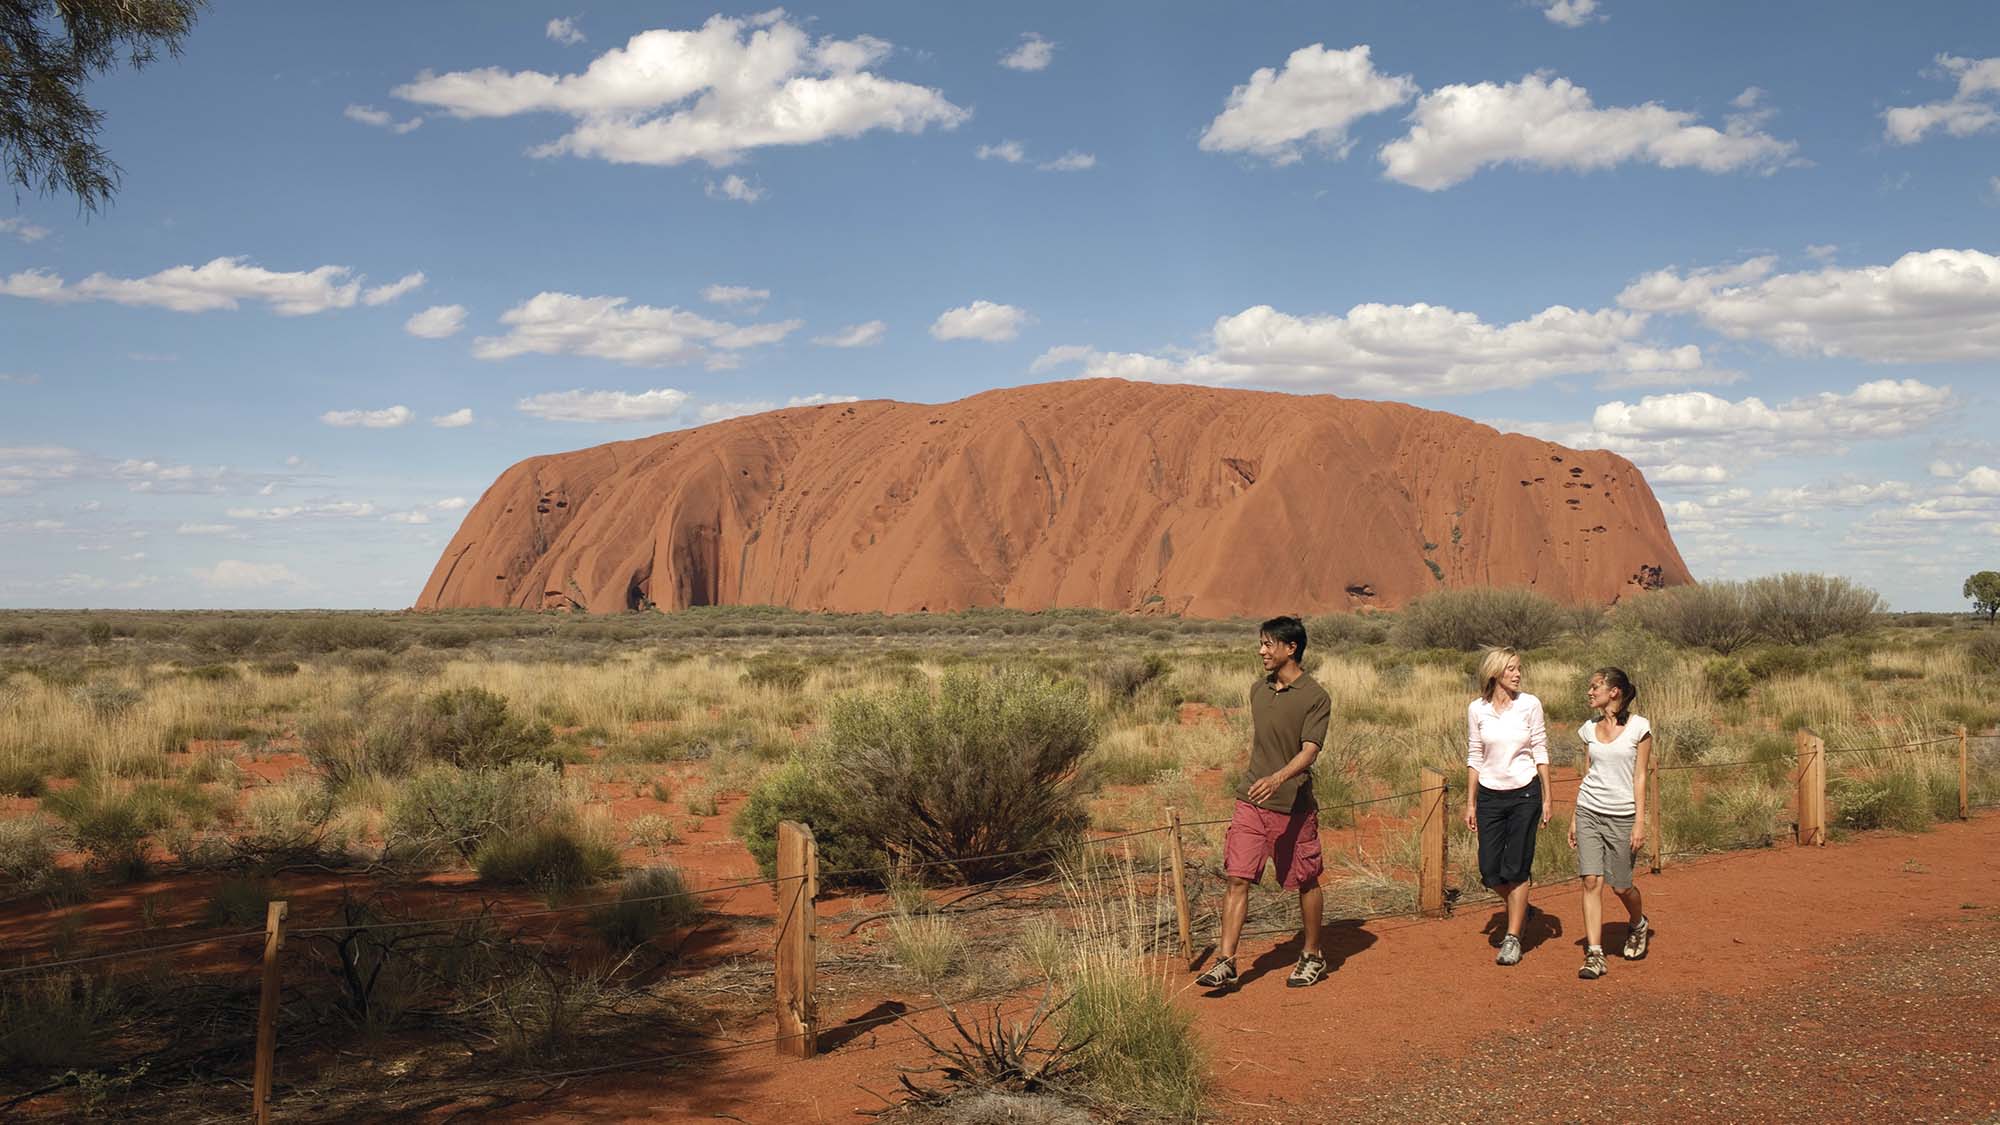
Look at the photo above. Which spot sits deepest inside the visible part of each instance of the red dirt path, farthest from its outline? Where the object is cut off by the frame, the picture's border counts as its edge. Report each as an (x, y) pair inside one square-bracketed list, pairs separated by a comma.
[(1743, 940)]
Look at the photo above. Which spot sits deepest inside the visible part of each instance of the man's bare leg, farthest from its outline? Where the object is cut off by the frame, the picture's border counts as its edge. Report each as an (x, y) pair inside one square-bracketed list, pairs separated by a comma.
[(1235, 908), (1312, 906)]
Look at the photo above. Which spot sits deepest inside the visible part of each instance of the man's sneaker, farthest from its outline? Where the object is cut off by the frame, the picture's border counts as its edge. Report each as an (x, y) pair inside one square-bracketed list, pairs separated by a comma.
[(1510, 951), (1593, 964), (1637, 939), (1220, 976), (1309, 970)]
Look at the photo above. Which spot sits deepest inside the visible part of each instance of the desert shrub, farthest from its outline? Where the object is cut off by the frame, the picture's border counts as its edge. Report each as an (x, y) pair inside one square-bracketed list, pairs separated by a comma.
[(113, 829), (21, 779), (1803, 609), (1983, 654), (1770, 662), (28, 848), (649, 900), (927, 946), (214, 673), (471, 727), (699, 800), (1896, 798), (368, 661), (1727, 679), (49, 1021), (774, 672), (239, 902), (800, 790), (1737, 814), (97, 633), (338, 634), (1122, 677), (1138, 1048), (277, 669), (983, 765), (444, 812), (1710, 615), (1480, 617), (1684, 742), (106, 698), (557, 856), (229, 638), (653, 832), (1333, 632), (286, 820)]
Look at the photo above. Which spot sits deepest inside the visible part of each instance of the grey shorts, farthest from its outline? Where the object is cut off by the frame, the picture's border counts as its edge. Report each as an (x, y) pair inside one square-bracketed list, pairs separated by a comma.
[(1604, 847)]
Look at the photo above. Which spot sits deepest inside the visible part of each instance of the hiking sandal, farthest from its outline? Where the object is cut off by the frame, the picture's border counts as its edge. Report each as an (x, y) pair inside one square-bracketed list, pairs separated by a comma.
[(1220, 977), (1310, 970)]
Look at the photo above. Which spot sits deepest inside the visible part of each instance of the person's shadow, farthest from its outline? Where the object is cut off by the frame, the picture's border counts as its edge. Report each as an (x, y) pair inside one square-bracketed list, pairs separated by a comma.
[(1539, 926), (1339, 939)]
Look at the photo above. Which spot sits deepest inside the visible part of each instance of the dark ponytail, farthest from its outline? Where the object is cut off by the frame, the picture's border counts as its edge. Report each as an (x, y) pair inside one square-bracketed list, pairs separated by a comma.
[(1616, 679)]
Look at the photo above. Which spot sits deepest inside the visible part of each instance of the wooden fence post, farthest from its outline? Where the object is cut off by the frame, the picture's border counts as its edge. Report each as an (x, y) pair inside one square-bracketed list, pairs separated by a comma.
[(1430, 842), (798, 886), (1653, 809), (1964, 774), (1180, 883), (1812, 789), (267, 1012)]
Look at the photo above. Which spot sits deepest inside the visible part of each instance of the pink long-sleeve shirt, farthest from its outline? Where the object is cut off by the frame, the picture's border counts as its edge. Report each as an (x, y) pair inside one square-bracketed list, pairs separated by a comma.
[(1505, 747)]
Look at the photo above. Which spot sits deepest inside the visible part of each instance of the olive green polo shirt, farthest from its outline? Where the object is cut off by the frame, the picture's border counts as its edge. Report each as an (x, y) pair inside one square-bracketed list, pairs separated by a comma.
[(1282, 717)]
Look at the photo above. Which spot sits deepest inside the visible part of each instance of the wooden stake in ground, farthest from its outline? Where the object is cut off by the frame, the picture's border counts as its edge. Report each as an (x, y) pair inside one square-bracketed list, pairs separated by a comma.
[(1180, 883), (798, 886), (1430, 842), (267, 1012), (1812, 789), (1653, 804), (1964, 774)]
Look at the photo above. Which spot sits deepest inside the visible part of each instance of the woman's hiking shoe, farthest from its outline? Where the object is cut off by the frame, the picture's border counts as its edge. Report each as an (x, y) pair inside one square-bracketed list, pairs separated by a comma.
[(1637, 939), (1220, 976), (1593, 964), (1510, 951), (1310, 969)]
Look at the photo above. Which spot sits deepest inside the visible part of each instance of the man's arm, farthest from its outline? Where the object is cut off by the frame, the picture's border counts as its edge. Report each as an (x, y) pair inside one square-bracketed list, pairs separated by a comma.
[(1263, 787)]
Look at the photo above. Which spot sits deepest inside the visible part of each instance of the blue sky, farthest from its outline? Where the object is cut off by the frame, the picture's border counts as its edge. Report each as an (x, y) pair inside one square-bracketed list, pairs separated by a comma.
[(365, 257)]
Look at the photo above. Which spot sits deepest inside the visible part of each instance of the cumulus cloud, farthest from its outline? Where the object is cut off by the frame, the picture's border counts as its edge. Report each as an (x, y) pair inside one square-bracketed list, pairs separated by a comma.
[(236, 574), (454, 420), (436, 322), (449, 504), (718, 411), (1571, 13), (1399, 351), (1930, 306), (604, 406), (735, 295), (1310, 101), (1011, 152), (1971, 108), (412, 517), (1032, 53), (613, 328), (381, 119), (1071, 161), (1551, 123), (820, 399), (734, 187), (223, 283), (712, 94), (385, 419), (864, 335), (383, 294), (336, 509), (980, 320), (23, 229), (563, 30)]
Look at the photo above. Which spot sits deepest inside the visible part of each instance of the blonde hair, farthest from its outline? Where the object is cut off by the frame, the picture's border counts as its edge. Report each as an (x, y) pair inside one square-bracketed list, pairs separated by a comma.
[(1492, 667)]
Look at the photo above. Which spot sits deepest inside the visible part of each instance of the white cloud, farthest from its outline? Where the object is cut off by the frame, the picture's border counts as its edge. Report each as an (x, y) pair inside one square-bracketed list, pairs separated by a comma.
[(383, 294), (235, 574), (1311, 100), (563, 30), (604, 406), (205, 529), (449, 504), (720, 411), (386, 419), (337, 509), (19, 379), (613, 328), (411, 517), (436, 322), (734, 187), (381, 119), (980, 320), (220, 284), (1945, 470), (1400, 351), (23, 230), (1971, 108), (1822, 251), (1931, 306), (864, 335), (712, 94), (1688, 474), (735, 295), (1571, 13), (452, 421), (1008, 151), (1981, 481), (1551, 123), (1882, 409), (1033, 53), (1071, 161), (820, 399)]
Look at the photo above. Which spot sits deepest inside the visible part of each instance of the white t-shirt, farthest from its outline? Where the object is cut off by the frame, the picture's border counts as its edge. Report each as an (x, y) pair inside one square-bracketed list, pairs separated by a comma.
[(1607, 787), (1506, 746)]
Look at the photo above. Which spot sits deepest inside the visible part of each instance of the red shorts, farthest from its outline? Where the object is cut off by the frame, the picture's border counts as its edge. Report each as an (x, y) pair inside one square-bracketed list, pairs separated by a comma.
[(1289, 840)]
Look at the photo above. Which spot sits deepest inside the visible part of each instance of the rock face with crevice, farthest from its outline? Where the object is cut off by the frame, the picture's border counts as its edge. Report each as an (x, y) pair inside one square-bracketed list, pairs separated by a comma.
[(1102, 493)]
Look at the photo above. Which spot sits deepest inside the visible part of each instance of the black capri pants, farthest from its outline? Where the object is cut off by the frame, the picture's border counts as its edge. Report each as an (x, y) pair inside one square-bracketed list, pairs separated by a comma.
[(1507, 821)]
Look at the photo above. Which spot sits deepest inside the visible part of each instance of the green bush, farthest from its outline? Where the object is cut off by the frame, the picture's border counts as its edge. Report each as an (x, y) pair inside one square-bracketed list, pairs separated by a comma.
[(775, 672), (106, 698), (649, 900), (556, 856), (21, 779), (1894, 799), (443, 812), (1710, 615), (1333, 632), (28, 847), (983, 765), (799, 790), (277, 669), (214, 673), (1136, 1046), (239, 902), (1727, 679), (1983, 654), (1769, 662), (1122, 677), (113, 829), (1480, 617), (471, 727), (1805, 609), (1684, 742)]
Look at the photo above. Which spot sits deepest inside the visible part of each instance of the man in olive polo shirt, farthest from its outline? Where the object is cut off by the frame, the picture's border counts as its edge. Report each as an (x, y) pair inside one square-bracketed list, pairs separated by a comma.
[(1276, 818)]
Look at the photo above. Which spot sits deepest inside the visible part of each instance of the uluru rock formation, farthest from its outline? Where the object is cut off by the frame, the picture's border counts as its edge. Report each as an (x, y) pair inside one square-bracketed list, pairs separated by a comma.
[(1104, 493)]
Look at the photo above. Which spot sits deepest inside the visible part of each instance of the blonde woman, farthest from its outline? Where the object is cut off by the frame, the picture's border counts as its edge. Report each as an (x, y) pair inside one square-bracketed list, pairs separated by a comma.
[(1606, 832), (1506, 786)]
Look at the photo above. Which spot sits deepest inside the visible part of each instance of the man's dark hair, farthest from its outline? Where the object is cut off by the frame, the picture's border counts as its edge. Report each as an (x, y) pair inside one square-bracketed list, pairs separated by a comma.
[(1288, 631)]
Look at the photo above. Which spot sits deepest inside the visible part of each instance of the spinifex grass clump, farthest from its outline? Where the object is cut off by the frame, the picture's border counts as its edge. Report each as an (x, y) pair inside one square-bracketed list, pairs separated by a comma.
[(650, 900)]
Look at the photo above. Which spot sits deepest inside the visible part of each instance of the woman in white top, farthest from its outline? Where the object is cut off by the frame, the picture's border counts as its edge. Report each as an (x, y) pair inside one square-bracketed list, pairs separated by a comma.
[(1506, 786), (1607, 832)]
